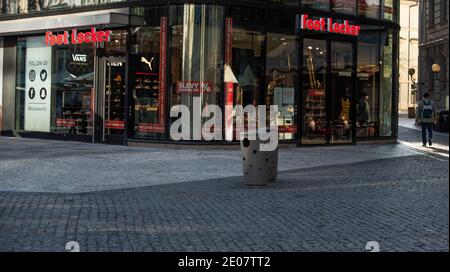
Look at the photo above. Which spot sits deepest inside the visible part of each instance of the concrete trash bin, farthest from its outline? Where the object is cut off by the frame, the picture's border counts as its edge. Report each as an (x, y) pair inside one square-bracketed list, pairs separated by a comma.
[(260, 167)]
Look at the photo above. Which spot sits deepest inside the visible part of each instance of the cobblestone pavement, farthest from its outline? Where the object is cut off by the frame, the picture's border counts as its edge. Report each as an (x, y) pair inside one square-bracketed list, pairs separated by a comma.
[(30, 165), (412, 134), (399, 201)]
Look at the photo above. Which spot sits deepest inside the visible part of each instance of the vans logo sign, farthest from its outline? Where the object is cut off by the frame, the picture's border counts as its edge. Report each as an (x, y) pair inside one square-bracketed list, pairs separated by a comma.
[(79, 58)]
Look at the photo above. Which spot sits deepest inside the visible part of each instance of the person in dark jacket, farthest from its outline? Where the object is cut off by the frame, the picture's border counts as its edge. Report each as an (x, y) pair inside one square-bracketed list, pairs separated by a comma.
[(425, 116), (363, 110)]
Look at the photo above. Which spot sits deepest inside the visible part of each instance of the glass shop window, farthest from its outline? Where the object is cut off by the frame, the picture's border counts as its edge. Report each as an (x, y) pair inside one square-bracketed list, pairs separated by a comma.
[(317, 4), (54, 87), (344, 6), (387, 41), (369, 8), (368, 77), (244, 62), (390, 10), (314, 119), (287, 2), (30, 6), (197, 60), (148, 75), (74, 88), (281, 72)]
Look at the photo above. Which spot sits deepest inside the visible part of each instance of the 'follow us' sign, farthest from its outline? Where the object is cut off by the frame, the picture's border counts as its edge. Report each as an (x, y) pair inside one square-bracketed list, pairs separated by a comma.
[(37, 87)]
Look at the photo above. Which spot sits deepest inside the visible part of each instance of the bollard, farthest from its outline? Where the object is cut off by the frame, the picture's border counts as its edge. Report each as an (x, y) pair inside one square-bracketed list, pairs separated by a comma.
[(260, 167)]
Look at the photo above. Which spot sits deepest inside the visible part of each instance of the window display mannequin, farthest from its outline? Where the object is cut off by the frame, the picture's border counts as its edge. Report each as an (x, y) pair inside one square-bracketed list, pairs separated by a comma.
[(345, 108), (363, 121), (363, 110), (311, 126), (343, 126)]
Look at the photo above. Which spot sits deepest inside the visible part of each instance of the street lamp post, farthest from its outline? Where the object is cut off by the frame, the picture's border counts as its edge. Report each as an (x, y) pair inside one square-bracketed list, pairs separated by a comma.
[(436, 68), (411, 73)]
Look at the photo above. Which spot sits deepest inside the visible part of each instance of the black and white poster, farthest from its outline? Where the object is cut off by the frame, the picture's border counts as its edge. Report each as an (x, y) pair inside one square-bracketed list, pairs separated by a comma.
[(38, 87)]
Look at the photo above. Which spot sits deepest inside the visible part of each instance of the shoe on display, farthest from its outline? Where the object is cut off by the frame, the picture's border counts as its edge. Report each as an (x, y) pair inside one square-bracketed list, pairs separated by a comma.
[(118, 78)]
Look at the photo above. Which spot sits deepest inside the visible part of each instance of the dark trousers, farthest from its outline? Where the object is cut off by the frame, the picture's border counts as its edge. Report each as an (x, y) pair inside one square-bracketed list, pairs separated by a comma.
[(425, 127)]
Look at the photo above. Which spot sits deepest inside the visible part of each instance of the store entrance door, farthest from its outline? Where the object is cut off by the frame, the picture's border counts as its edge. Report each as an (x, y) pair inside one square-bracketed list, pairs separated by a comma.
[(341, 93), (112, 100), (329, 76), (111, 85), (315, 92)]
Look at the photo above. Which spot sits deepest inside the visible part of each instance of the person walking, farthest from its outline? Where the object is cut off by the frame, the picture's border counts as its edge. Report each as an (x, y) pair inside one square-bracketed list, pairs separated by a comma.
[(363, 110), (425, 117), (363, 121)]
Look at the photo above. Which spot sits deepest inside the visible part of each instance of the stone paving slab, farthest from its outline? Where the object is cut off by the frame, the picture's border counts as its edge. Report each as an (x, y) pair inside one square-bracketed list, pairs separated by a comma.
[(410, 133), (32, 165), (411, 136), (118, 198), (324, 208), (411, 124)]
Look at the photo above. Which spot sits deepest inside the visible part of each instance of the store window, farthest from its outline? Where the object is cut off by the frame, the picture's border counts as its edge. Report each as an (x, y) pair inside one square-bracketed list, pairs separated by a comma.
[(54, 87), (386, 83), (369, 8), (344, 6), (9, 7), (248, 60), (148, 75), (443, 11), (287, 2), (437, 11), (30, 6), (197, 60), (245, 56), (281, 72), (430, 13), (114, 60), (368, 75), (74, 88), (390, 10), (341, 95), (315, 67), (317, 4)]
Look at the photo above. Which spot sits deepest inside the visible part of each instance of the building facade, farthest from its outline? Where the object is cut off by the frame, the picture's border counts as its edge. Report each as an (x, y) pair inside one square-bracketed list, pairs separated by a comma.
[(110, 71), (433, 49), (408, 52)]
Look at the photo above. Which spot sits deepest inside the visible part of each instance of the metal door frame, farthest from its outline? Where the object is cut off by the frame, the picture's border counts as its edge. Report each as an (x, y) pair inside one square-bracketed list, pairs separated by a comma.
[(103, 74), (329, 39)]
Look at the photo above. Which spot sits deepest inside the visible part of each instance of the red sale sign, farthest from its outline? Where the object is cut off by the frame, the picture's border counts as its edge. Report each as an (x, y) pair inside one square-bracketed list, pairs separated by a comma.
[(114, 124), (194, 87)]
